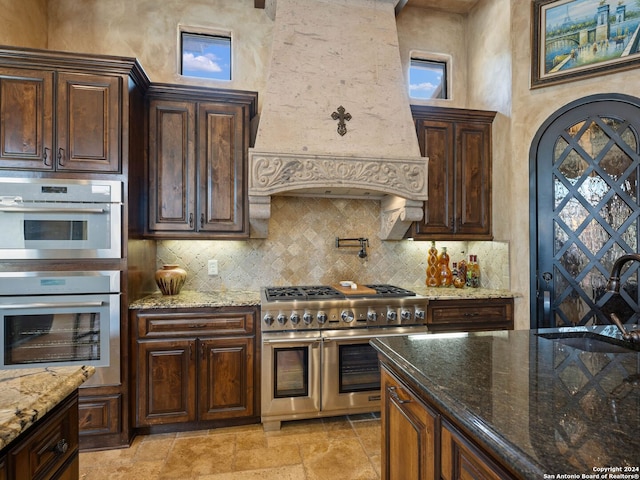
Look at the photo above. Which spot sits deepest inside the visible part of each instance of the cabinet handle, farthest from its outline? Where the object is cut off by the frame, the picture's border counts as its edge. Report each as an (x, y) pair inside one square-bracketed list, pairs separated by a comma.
[(191, 220), (202, 220), (202, 351), (471, 314), (393, 392), (61, 447), (190, 352), (45, 157), (61, 156)]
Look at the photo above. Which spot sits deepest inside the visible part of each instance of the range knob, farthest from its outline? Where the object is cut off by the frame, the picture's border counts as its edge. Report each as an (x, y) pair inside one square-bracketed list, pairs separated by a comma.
[(372, 316), (295, 318), (392, 315), (347, 316), (419, 314), (405, 315), (268, 319), (282, 318), (322, 317), (307, 318)]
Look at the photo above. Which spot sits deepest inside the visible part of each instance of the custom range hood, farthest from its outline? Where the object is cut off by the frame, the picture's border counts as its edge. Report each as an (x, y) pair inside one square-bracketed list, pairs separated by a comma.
[(336, 120)]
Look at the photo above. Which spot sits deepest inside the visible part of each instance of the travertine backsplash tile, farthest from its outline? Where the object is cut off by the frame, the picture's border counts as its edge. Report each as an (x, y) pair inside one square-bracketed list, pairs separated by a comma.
[(301, 250)]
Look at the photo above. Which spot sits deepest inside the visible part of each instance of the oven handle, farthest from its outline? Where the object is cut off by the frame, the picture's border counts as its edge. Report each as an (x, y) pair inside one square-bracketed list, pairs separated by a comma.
[(290, 340), (365, 337), (50, 210), (22, 306)]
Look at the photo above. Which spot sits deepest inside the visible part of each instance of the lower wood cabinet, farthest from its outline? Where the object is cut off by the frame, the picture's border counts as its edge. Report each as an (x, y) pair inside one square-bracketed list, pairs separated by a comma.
[(48, 449), (194, 366), (409, 433), (473, 315), (419, 442)]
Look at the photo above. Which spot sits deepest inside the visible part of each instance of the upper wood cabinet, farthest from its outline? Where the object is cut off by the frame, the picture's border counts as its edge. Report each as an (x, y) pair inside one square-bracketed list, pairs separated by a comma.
[(198, 146), (60, 121), (458, 145)]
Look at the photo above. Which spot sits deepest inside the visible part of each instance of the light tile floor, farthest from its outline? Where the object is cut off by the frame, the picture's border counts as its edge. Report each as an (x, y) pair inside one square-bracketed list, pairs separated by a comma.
[(321, 449)]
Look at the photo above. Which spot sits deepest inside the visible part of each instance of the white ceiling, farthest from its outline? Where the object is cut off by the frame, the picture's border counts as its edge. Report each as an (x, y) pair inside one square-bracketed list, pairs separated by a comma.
[(455, 6)]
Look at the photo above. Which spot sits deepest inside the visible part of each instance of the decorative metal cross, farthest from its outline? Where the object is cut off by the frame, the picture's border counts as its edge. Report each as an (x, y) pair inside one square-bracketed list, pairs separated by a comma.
[(341, 116)]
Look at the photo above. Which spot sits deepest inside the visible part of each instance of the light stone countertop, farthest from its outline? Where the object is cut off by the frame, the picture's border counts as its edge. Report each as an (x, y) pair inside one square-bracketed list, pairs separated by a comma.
[(250, 298), (27, 394)]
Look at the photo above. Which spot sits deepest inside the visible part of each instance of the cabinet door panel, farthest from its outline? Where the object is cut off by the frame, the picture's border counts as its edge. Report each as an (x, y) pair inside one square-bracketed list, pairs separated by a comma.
[(462, 461), (474, 172), (167, 376), (226, 378), (221, 167), (26, 108), (408, 434), (437, 143), (172, 170), (88, 123)]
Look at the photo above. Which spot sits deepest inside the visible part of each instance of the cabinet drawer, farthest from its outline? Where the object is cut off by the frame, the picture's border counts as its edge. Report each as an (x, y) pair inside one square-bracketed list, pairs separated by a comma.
[(193, 322), (53, 443), (470, 315)]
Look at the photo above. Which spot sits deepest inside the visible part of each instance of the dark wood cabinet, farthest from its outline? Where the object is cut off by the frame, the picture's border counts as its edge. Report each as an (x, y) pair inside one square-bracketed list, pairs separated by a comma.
[(420, 442), (195, 366), (198, 146), (470, 315), (457, 143), (60, 121), (409, 433), (48, 449)]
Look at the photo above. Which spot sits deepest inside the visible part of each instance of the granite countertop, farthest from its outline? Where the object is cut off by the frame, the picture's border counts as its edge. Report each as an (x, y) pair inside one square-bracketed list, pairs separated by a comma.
[(543, 407), (26, 395), (249, 298), (194, 299)]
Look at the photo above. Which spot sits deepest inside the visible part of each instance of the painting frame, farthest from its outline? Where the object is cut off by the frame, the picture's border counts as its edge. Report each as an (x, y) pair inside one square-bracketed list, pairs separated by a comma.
[(543, 13)]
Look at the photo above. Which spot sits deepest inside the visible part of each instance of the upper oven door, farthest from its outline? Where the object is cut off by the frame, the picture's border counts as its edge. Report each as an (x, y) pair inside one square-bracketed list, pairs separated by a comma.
[(49, 219)]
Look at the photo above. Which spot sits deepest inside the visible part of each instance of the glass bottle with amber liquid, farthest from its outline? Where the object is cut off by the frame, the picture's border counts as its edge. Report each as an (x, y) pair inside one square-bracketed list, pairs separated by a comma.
[(446, 278), (433, 271)]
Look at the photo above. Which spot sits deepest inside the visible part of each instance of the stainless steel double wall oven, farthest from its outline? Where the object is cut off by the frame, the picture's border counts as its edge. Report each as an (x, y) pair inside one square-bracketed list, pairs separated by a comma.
[(69, 315), (316, 357)]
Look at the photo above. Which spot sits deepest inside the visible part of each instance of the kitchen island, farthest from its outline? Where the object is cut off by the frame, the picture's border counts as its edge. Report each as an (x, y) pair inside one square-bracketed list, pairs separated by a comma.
[(39, 421), (510, 404)]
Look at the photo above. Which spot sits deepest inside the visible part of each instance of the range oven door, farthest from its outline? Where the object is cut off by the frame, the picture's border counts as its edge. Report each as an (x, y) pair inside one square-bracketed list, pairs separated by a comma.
[(350, 368), (290, 374)]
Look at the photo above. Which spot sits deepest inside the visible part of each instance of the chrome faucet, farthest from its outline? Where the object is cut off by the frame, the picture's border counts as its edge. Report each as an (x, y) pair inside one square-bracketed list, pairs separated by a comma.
[(614, 287)]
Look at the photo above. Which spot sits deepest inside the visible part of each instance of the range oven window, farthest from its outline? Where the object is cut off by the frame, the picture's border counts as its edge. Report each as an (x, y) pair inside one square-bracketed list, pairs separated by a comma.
[(55, 230), (359, 370), (291, 367), (51, 338)]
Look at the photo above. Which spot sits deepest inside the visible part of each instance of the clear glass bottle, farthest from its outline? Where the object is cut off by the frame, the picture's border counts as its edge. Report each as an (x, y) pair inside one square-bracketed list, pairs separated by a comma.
[(433, 273)]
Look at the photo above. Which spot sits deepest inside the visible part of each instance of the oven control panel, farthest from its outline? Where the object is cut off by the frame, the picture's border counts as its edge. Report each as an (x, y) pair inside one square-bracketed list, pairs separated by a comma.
[(309, 317)]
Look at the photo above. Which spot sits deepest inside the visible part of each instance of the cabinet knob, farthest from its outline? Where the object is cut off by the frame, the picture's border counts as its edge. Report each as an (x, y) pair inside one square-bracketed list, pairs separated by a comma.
[(61, 447)]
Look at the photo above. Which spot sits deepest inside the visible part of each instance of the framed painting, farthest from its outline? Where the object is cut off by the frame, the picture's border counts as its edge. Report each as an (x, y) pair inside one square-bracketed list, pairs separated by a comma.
[(574, 39)]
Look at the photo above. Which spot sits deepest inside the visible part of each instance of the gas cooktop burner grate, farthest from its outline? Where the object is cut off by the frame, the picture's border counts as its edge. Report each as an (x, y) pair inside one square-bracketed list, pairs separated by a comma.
[(313, 292), (324, 292), (385, 290)]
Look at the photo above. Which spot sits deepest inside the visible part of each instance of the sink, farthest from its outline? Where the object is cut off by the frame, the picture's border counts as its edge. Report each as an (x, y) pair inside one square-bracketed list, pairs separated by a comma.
[(590, 342)]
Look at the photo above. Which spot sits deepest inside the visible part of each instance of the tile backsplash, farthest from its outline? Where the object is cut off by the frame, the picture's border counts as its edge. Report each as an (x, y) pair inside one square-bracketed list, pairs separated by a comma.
[(301, 250)]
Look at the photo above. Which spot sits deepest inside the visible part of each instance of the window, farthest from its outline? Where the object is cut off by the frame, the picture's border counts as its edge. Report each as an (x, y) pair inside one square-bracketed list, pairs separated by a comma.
[(205, 56), (427, 79)]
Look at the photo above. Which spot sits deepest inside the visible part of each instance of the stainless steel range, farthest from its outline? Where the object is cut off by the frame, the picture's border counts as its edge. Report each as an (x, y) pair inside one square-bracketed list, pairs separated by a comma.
[(316, 357)]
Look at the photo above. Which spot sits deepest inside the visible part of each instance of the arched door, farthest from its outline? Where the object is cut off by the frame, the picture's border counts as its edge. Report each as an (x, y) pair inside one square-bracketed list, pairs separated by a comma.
[(585, 161)]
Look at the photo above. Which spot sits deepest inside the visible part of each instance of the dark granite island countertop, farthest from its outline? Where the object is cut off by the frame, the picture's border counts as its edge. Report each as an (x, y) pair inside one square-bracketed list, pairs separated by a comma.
[(539, 406)]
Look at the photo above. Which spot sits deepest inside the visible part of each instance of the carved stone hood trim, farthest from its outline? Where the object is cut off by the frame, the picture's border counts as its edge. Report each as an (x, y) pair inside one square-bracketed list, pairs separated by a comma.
[(326, 54)]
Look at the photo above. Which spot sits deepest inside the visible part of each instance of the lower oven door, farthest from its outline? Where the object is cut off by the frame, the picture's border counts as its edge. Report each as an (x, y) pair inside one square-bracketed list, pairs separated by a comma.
[(350, 369), (290, 374), (57, 330)]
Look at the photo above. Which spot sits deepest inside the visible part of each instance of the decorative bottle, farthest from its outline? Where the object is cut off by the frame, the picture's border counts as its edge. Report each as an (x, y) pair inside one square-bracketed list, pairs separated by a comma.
[(473, 272), (433, 274), (458, 280), (446, 279)]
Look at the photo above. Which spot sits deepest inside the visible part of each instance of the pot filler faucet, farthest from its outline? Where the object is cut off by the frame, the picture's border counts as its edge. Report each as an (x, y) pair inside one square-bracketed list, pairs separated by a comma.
[(614, 287)]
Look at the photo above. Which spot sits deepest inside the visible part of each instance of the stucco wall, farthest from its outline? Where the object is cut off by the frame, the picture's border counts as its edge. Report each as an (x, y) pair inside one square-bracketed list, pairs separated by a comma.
[(23, 23)]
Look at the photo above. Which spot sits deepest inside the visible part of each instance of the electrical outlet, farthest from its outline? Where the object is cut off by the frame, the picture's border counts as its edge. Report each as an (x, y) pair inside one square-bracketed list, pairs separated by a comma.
[(212, 267)]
